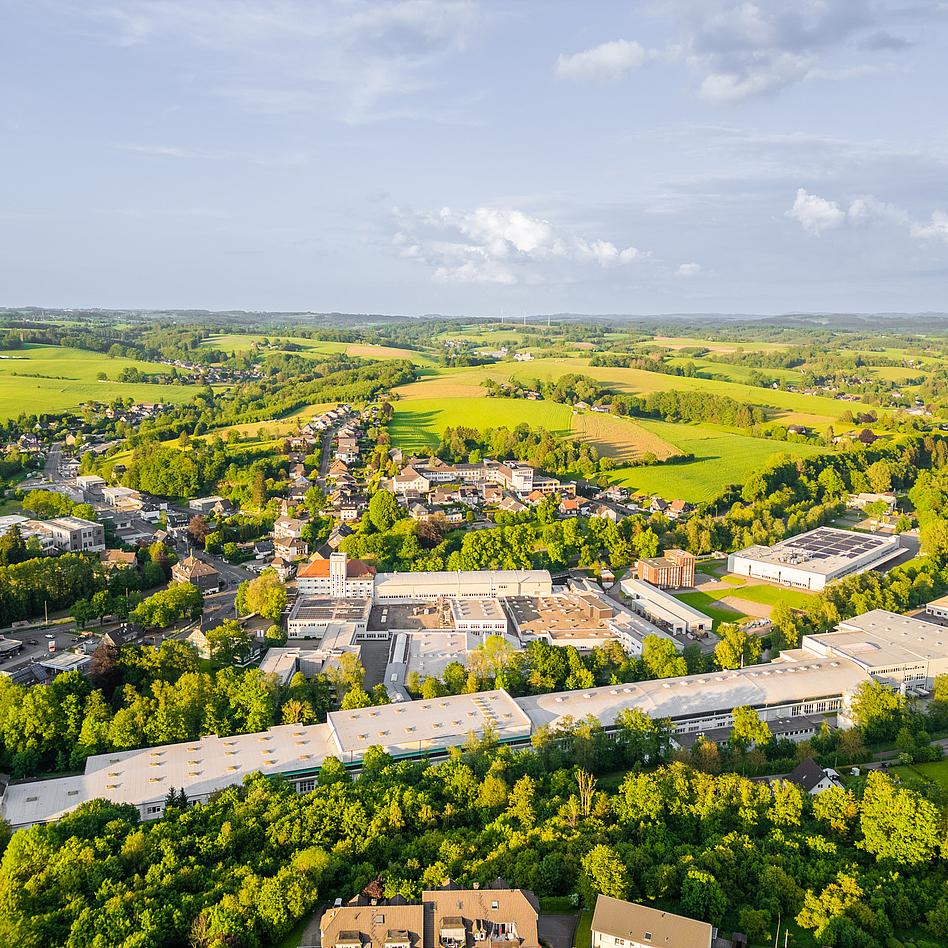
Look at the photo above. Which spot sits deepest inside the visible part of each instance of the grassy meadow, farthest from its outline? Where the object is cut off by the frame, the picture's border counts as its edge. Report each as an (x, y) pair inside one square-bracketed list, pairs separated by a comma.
[(721, 457), (314, 348), (40, 378)]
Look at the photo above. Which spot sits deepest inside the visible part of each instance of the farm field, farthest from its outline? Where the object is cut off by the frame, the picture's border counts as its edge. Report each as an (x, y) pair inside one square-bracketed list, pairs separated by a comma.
[(619, 438), (788, 407), (315, 348), (56, 378), (418, 423), (721, 458), (691, 342)]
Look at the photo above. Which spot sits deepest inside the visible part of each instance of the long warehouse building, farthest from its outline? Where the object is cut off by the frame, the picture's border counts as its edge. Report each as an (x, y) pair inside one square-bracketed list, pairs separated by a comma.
[(802, 684)]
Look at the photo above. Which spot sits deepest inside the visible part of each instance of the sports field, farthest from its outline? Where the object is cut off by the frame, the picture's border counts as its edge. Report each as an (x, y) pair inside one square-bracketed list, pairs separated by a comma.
[(40, 378), (721, 458)]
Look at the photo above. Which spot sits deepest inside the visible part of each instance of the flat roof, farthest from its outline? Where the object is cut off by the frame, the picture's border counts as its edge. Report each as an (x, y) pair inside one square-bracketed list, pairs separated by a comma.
[(417, 725), (322, 609), (477, 610), (879, 638), (145, 776), (824, 550), (639, 588), (430, 652), (458, 578), (695, 695), (562, 616)]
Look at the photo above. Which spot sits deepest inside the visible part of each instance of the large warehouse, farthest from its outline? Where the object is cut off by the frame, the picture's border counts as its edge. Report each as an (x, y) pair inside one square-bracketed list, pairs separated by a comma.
[(894, 648), (813, 559)]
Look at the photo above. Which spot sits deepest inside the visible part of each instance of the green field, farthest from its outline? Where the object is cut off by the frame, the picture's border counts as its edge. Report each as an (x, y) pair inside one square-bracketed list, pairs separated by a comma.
[(787, 407), (721, 458), (710, 606), (418, 423), (69, 379), (314, 348)]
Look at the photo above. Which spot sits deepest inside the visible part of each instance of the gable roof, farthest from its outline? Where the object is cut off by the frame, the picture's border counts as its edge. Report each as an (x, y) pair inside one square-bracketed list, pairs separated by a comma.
[(807, 774), (319, 569), (631, 920)]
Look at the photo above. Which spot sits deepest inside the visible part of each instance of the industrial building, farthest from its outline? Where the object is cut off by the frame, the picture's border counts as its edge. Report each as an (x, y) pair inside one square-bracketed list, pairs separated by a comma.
[(813, 559), (664, 609), (311, 618), (71, 534), (479, 617), (462, 584), (891, 647), (938, 608)]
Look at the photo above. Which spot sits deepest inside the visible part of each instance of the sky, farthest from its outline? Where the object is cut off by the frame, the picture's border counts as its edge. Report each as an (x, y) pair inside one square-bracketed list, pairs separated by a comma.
[(470, 157)]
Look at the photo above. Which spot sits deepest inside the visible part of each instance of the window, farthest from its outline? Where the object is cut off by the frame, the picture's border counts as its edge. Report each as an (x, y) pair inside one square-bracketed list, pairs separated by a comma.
[(648, 936), (153, 809)]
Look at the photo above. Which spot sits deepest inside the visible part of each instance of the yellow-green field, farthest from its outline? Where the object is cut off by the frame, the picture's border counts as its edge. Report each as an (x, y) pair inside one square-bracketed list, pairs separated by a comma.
[(314, 348), (40, 378), (418, 423), (721, 458), (787, 407), (619, 438)]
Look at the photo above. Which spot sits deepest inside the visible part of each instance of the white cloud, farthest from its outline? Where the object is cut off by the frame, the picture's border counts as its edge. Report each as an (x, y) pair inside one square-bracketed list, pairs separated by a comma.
[(607, 61), (815, 214), (747, 48), (688, 270), (501, 245), (935, 228)]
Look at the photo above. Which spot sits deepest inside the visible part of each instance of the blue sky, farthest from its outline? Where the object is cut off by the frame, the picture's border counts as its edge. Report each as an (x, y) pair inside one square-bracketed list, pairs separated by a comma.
[(468, 157)]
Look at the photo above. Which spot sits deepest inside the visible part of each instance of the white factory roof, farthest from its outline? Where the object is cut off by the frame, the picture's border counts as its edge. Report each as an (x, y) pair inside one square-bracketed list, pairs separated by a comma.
[(825, 550), (477, 610), (143, 776), (416, 725), (640, 589), (446, 578), (879, 638), (695, 695)]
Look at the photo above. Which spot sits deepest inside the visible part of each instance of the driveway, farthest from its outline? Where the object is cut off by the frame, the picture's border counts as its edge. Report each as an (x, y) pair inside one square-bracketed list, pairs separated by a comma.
[(557, 931)]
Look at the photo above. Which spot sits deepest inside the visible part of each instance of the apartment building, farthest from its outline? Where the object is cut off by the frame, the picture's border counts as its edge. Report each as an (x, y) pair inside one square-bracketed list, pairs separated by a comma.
[(72, 534), (338, 578), (674, 570)]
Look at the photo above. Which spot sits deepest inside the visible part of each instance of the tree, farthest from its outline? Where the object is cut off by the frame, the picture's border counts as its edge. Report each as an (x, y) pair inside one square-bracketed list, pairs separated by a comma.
[(877, 710), (229, 642), (748, 728), (833, 902), (198, 529), (384, 510), (898, 826), (661, 658), (702, 896), (265, 595), (605, 873), (736, 647)]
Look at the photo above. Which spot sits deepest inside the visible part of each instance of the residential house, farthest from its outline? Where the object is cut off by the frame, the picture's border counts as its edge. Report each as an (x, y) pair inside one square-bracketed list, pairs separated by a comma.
[(290, 548), (619, 924), (288, 528), (808, 775), (198, 573)]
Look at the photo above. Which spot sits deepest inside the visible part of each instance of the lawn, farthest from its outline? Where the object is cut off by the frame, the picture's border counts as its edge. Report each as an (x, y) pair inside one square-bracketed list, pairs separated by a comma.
[(721, 458), (583, 936), (418, 423), (936, 773), (40, 378), (709, 605)]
